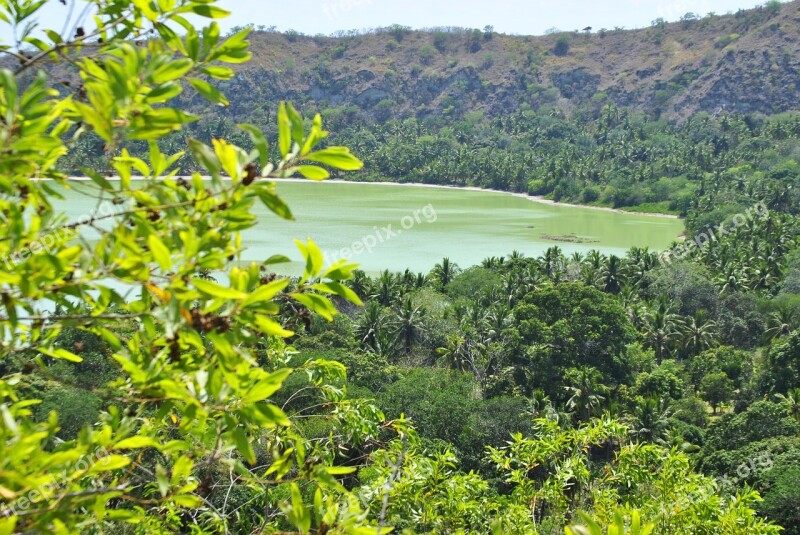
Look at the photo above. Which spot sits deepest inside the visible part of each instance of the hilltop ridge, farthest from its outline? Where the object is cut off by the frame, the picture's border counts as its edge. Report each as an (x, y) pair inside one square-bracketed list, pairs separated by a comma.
[(742, 63)]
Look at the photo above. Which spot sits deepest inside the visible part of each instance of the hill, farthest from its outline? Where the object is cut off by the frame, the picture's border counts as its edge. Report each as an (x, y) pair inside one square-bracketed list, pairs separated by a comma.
[(743, 63)]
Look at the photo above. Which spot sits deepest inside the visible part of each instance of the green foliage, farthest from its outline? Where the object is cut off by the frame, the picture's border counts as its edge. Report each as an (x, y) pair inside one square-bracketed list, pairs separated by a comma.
[(426, 53), (561, 47), (147, 381), (717, 389), (573, 325), (194, 362)]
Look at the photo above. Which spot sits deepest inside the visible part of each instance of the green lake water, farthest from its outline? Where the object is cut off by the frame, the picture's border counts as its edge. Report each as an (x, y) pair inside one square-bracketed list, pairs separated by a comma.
[(428, 224)]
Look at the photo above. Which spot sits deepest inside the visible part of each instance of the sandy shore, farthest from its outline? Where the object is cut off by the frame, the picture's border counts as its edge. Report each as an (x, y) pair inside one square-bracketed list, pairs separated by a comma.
[(532, 198)]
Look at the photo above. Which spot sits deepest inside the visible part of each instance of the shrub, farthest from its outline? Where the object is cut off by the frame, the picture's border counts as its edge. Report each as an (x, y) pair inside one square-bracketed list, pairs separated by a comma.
[(426, 53), (440, 40), (562, 46), (590, 194), (537, 187)]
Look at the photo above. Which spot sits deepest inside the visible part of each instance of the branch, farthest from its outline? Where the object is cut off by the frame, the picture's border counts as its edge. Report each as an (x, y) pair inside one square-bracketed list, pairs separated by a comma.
[(77, 317), (388, 488), (69, 44)]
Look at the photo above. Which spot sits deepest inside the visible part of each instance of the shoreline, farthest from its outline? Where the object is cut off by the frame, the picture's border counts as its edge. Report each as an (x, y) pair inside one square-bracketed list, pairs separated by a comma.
[(532, 198)]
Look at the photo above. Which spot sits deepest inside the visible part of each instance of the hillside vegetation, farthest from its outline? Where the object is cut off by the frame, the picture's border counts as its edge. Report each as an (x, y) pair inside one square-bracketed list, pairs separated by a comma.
[(612, 118), (152, 381), (747, 62)]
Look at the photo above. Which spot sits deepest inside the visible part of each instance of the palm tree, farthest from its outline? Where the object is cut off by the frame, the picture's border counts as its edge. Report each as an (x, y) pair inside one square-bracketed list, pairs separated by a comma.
[(553, 263), (360, 284), (781, 322), (661, 330), (792, 402), (611, 275), (457, 353), (585, 391), (444, 273), (698, 334), (409, 324), (385, 289), (650, 420), (371, 323)]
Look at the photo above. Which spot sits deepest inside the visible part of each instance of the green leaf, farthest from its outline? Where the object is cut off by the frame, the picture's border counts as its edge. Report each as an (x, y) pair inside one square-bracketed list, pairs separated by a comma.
[(340, 470), (339, 289), (271, 327), (317, 303), (219, 73), (164, 92), (267, 386), (298, 514), (189, 501), (312, 172), (336, 157), (209, 92), (364, 530), (61, 354), (97, 178), (277, 259), (215, 290), (172, 70), (8, 524), (274, 203), (259, 142), (266, 292), (284, 130), (181, 469), (137, 442), (160, 252), (296, 121), (271, 415), (205, 156), (314, 258), (243, 445), (109, 463), (209, 11)]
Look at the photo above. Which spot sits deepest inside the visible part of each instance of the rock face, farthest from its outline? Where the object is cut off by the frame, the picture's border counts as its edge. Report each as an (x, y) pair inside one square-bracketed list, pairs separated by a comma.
[(747, 62)]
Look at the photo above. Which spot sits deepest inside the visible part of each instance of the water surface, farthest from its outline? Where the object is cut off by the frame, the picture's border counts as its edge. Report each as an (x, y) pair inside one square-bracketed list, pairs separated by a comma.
[(415, 227)]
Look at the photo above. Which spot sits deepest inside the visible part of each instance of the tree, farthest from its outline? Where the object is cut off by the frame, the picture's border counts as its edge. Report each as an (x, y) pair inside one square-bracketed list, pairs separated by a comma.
[(698, 334), (650, 420), (792, 401), (199, 361), (716, 388), (561, 47), (444, 272), (585, 391), (574, 326), (409, 324)]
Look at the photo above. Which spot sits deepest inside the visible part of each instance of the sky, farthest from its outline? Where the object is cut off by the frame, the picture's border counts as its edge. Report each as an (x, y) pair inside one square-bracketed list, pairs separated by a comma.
[(524, 17)]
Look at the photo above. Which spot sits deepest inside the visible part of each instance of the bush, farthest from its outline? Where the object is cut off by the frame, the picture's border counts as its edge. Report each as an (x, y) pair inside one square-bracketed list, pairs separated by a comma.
[(692, 411), (537, 187), (725, 40), (590, 194), (426, 53), (562, 46), (440, 40)]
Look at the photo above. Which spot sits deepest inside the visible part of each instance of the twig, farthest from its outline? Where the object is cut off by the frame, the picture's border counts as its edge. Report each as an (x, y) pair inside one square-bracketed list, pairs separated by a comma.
[(388, 487)]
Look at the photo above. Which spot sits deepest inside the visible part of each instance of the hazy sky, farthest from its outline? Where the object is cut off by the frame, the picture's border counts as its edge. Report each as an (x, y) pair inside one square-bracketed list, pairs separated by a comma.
[(508, 16)]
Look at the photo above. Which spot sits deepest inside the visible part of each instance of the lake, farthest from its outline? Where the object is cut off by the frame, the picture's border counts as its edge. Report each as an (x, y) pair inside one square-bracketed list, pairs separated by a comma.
[(403, 226)]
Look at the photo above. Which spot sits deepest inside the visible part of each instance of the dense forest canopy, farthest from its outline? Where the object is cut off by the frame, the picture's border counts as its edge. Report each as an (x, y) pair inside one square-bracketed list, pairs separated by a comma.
[(152, 382)]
